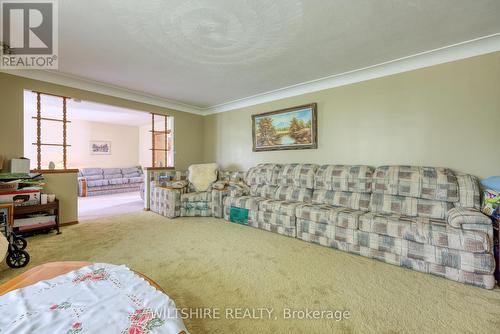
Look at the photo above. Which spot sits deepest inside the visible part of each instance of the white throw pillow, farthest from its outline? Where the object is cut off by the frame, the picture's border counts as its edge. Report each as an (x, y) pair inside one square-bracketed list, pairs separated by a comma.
[(202, 175)]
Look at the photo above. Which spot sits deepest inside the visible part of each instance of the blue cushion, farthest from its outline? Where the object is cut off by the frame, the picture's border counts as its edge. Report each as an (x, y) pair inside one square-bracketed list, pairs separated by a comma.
[(91, 171), (113, 176), (492, 182), (111, 171), (129, 175), (97, 183), (118, 181), (94, 177), (138, 179), (131, 170)]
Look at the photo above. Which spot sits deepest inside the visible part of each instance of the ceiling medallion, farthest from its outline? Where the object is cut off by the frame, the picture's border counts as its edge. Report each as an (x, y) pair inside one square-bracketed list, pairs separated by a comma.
[(220, 32)]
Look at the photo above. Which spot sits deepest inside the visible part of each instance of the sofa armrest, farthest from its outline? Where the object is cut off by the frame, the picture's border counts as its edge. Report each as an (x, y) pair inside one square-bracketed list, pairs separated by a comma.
[(180, 184), (82, 187), (461, 216), (222, 189), (237, 189), (219, 185), (166, 201)]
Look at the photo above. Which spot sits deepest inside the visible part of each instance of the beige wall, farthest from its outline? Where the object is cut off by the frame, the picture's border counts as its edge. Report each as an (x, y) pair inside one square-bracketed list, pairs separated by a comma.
[(445, 115), (124, 144), (65, 186), (188, 129)]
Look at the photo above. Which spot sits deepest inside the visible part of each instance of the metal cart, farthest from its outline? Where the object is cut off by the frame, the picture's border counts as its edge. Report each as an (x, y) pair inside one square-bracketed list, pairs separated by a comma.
[(17, 256)]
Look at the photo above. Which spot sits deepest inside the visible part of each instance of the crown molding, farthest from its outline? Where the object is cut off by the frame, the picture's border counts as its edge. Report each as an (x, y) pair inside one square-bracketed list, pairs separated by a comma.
[(105, 89), (467, 49)]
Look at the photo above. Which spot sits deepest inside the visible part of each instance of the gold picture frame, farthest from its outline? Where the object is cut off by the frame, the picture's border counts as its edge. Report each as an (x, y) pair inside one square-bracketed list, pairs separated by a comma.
[(292, 128)]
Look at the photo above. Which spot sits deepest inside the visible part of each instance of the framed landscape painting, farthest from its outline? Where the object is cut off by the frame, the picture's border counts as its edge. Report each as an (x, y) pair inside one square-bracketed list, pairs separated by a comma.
[(100, 147), (286, 129)]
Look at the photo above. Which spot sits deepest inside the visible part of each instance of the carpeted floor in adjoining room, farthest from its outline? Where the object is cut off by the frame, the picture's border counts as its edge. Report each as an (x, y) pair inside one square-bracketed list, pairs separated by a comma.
[(205, 262)]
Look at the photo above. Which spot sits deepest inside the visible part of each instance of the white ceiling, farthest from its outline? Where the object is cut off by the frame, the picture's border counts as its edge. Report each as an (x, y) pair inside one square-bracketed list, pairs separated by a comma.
[(205, 53), (85, 110)]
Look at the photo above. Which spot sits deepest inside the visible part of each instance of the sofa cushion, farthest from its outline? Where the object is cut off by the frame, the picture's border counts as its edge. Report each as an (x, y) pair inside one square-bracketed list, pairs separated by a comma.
[(468, 191), (429, 231), (297, 175), (131, 170), (112, 171), (90, 171), (113, 176), (269, 221), (292, 193), (97, 183), (351, 200), (344, 178), (327, 214), (202, 175), (138, 179), (118, 181), (286, 208), (314, 212), (201, 196), (409, 206), (327, 234), (431, 183), (346, 218), (93, 177), (245, 202), (266, 191), (129, 175), (263, 174), (394, 248)]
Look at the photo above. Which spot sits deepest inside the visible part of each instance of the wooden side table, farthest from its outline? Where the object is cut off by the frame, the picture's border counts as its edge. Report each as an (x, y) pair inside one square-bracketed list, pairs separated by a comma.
[(49, 207)]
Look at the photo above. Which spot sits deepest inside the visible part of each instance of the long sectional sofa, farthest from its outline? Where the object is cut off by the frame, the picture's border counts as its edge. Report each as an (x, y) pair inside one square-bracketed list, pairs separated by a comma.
[(422, 218)]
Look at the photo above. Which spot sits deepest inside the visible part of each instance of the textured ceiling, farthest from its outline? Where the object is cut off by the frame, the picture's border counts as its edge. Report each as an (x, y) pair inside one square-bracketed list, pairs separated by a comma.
[(208, 52)]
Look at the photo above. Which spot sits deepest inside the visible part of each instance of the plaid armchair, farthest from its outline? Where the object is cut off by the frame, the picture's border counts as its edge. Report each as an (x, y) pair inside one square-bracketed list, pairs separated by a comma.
[(172, 195)]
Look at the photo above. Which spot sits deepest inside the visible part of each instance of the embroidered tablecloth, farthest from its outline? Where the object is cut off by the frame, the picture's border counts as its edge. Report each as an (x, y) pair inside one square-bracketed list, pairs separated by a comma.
[(100, 298)]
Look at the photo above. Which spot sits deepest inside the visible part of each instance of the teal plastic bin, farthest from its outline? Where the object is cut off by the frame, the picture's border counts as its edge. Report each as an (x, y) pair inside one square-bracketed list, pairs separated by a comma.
[(238, 215)]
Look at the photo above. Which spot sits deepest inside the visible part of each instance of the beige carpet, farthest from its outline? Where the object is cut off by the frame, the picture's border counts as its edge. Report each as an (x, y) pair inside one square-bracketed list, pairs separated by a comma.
[(209, 263)]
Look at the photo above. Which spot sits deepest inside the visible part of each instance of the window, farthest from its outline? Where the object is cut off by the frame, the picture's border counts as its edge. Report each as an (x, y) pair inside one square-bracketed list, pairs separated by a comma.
[(162, 139), (51, 124)]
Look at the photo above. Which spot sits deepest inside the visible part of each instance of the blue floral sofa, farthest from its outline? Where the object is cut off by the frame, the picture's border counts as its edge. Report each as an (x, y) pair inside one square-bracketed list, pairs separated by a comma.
[(103, 181)]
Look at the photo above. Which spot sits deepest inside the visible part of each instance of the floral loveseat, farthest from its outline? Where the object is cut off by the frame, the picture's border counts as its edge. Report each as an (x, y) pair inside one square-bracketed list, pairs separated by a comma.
[(422, 218)]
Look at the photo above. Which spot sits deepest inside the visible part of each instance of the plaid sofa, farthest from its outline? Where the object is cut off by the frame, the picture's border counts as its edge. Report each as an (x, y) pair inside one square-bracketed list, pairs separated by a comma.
[(422, 218), (103, 181), (275, 193), (407, 216)]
